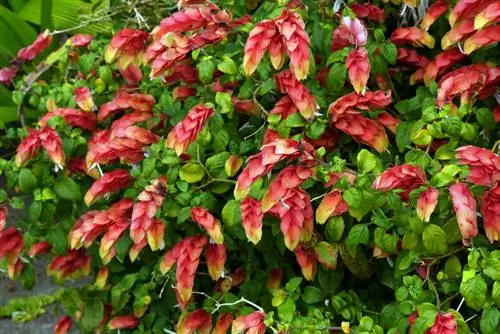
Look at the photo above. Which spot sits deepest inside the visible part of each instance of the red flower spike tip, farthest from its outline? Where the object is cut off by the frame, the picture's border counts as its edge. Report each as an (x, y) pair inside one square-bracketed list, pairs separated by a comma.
[(127, 47), (144, 210), (388, 121), (368, 11), (123, 322), (308, 262), (34, 49), (274, 279), (216, 257), (288, 178), (482, 38), (363, 130), (81, 40), (199, 321), (63, 325), (298, 93), (444, 324), (427, 202), (353, 101), (39, 248), (436, 10), (101, 278), (72, 117), (186, 131), (457, 33), (109, 182), (412, 58), (7, 74), (466, 9), (187, 263), (223, 324), (11, 244), (252, 323), (487, 16), (331, 205), (465, 209), (414, 36), (406, 177), (83, 99), (123, 101), (262, 38), (490, 209), (484, 165), (296, 41), (74, 264), (358, 68), (211, 224), (251, 218)]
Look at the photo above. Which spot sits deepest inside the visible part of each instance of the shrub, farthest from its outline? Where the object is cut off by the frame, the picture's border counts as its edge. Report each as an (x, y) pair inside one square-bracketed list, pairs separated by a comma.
[(266, 166)]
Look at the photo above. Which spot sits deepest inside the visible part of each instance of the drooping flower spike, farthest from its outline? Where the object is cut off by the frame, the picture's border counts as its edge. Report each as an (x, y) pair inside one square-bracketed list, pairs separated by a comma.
[(127, 47), (30, 52), (251, 218), (252, 323), (308, 262), (414, 36), (466, 9), (482, 38), (490, 210), (358, 69), (331, 205), (211, 224), (298, 93), (363, 130), (465, 209), (484, 165), (434, 12), (488, 15), (73, 117), (427, 202), (198, 321), (108, 183), (368, 11), (83, 99)]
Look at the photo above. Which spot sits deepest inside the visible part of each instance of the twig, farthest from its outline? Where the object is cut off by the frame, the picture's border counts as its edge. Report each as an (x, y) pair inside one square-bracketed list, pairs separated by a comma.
[(469, 319), (460, 305), (241, 300), (256, 131)]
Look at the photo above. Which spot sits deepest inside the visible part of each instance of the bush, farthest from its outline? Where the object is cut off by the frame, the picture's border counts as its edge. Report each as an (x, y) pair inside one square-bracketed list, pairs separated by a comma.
[(265, 166)]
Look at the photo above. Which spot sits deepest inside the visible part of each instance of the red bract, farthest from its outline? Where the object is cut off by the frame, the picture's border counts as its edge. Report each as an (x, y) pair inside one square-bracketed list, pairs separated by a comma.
[(412, 35), (296, 42), (11, 245), (109, 182), (182, 93), (81, 40), (123, 101), (132, 75), (144, 210), (186, 131), (103, 150), (74, 264), (288, 178), (465, 209), (369, 11), (490, 209), (123, 322), (73, 117), (223, 324), (251, 218), (371, 100), (7, 74), (206, 220), (250, 324), (216, 257), (28, 147), (465, 9), (487, 16), (198, 321), (411, 57), (298, 93), (263, 37), (296, 214), (388, 121), (464, 82), (306, 258), (427, 202), (462, 30), (262, 162), (166, 52), (46, 138), (482, 38), (444, 324), (441, 63), (127, 47), (3, 217), (63, 325), (484, 165), (274, 278), (331, 205), (34, 49), (83, 99), (184, 72), (39, 248), (437, 9), (406, 177), (363, 130), (358, 67)]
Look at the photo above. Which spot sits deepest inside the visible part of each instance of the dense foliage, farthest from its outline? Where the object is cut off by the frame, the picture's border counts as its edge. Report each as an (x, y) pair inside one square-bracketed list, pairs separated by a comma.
[(264, 166)]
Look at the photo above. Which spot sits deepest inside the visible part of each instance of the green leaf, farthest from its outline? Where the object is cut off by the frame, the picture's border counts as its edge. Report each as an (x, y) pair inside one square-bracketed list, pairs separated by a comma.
[(15, 33), (312, 295), (293, 284), (336, 77), (403, 135), (485, 118), (368, 162), (474, 292), (330, 280), (446, 176), (490, 321), (93, 312), (67, 189), (227, 66), (359, 234), (231, 213), (495, 293), (286, 311), (191, 172), (224, 102), (206, 69), (491, 268), (452, 126), (27, 181), (327, 254), (46, 15), (389, 52), (334, 229), (434, 239), (295, 121), (338, 56)]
